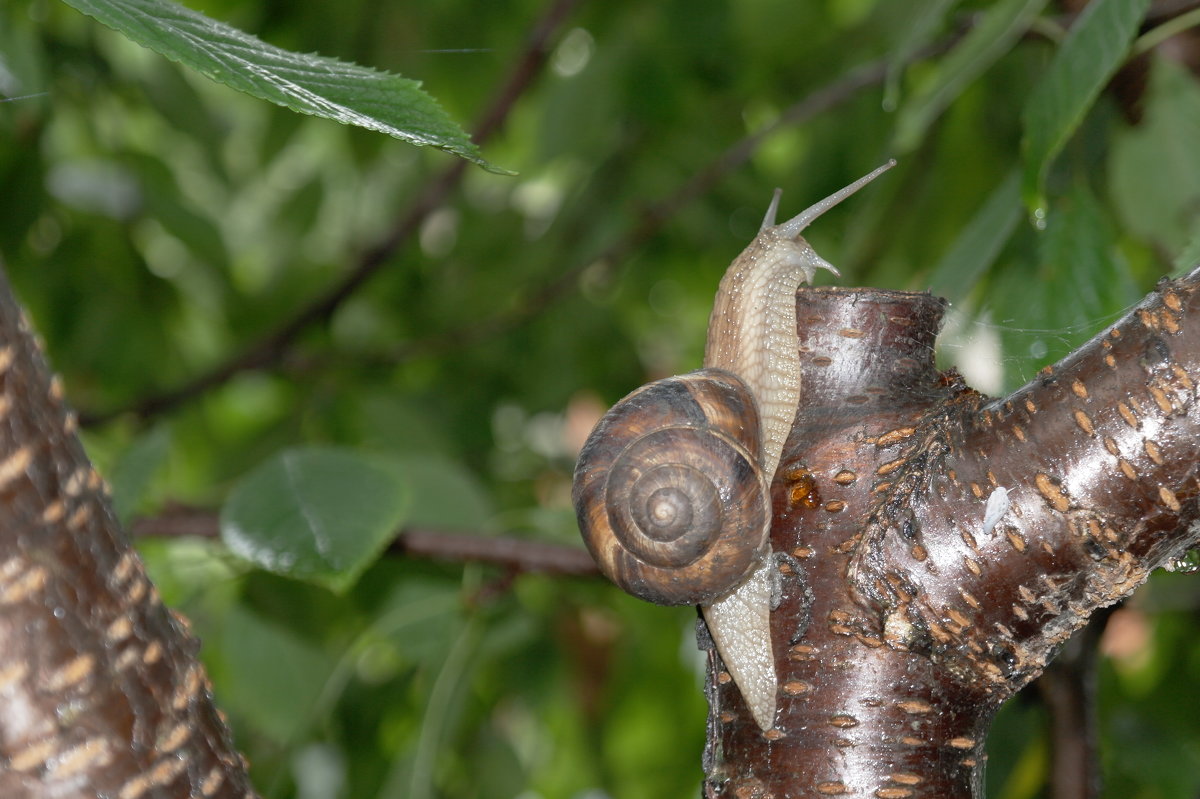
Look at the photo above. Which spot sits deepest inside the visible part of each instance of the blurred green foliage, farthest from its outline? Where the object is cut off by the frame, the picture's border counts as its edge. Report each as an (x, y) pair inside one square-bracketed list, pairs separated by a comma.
[(157, 224)]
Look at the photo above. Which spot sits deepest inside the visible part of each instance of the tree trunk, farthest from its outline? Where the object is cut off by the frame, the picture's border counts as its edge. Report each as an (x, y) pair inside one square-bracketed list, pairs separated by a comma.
[(909, 613), (101, 693)]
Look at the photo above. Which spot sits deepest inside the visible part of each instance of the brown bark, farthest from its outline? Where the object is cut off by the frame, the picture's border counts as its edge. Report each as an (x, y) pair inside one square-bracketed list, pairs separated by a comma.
[(101, 693), (904, 622)]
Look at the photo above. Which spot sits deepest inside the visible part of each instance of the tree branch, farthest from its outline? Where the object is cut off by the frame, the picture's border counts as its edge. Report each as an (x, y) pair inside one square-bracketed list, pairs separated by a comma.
[(954, 542), (521, 555)]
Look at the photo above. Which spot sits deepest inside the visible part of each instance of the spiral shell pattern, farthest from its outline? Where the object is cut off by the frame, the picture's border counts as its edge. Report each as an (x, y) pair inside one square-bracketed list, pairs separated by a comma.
[(668, 491)]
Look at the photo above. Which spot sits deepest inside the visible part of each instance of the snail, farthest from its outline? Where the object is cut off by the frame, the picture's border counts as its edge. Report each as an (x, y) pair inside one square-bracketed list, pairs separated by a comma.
[(672, 488)]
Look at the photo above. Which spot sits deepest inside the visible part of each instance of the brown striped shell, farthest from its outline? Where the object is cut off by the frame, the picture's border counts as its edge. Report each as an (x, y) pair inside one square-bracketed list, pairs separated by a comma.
[(671, 500)]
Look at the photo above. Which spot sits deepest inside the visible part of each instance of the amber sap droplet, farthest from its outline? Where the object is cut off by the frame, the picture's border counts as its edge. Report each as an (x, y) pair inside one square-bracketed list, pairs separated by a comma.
[(802, 487)]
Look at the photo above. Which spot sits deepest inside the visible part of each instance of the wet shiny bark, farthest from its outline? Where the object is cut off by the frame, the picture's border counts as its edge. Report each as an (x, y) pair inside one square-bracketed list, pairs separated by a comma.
[(908, 615), (101, 694)]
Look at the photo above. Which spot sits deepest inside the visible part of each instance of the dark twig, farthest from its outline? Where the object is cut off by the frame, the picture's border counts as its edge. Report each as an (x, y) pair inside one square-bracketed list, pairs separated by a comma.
[(517, 554), (1067, 688), (1164, 10), (275, 344)]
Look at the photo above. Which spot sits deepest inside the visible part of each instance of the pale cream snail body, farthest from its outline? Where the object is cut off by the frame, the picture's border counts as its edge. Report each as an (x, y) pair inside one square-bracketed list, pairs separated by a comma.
[(672, 488)]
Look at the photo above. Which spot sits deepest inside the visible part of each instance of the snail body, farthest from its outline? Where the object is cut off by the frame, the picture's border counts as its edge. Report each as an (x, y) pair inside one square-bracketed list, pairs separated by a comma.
[(672, 488)]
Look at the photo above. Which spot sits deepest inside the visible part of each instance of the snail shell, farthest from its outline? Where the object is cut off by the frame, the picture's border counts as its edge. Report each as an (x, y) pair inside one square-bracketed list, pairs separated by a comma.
[(670, 497)]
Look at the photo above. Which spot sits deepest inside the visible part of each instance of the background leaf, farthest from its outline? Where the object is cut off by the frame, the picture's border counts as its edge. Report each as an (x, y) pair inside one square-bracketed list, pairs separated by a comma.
[(1188, 258), (315, 514), (919, 32), (1078, 241), (274, 674), (989, 40), (444, 494), (132, 473), (1156, 171), (979, 243), (1094, 48)]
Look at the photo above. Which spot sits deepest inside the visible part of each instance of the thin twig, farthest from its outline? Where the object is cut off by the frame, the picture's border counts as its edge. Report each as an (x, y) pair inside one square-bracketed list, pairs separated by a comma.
[(521, 555), (1067, 688), (270, 348)]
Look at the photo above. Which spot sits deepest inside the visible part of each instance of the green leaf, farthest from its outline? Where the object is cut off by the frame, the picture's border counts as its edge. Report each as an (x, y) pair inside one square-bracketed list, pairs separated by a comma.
[(1154, 178), (1080, 283), (920, 31), (136, 468), (1001, 25), (308, 84), (1189, 258), (188, 568), (165, 205), (444, 493), (976, 247), (269, 674), (1079, 252), (315, 514), (1093, 50)]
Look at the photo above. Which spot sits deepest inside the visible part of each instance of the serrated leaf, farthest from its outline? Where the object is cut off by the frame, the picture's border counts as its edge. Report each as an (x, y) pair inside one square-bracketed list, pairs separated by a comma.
[(1093, 50), (315, 514), (306, 83), (976, 247), (1001, 25)]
